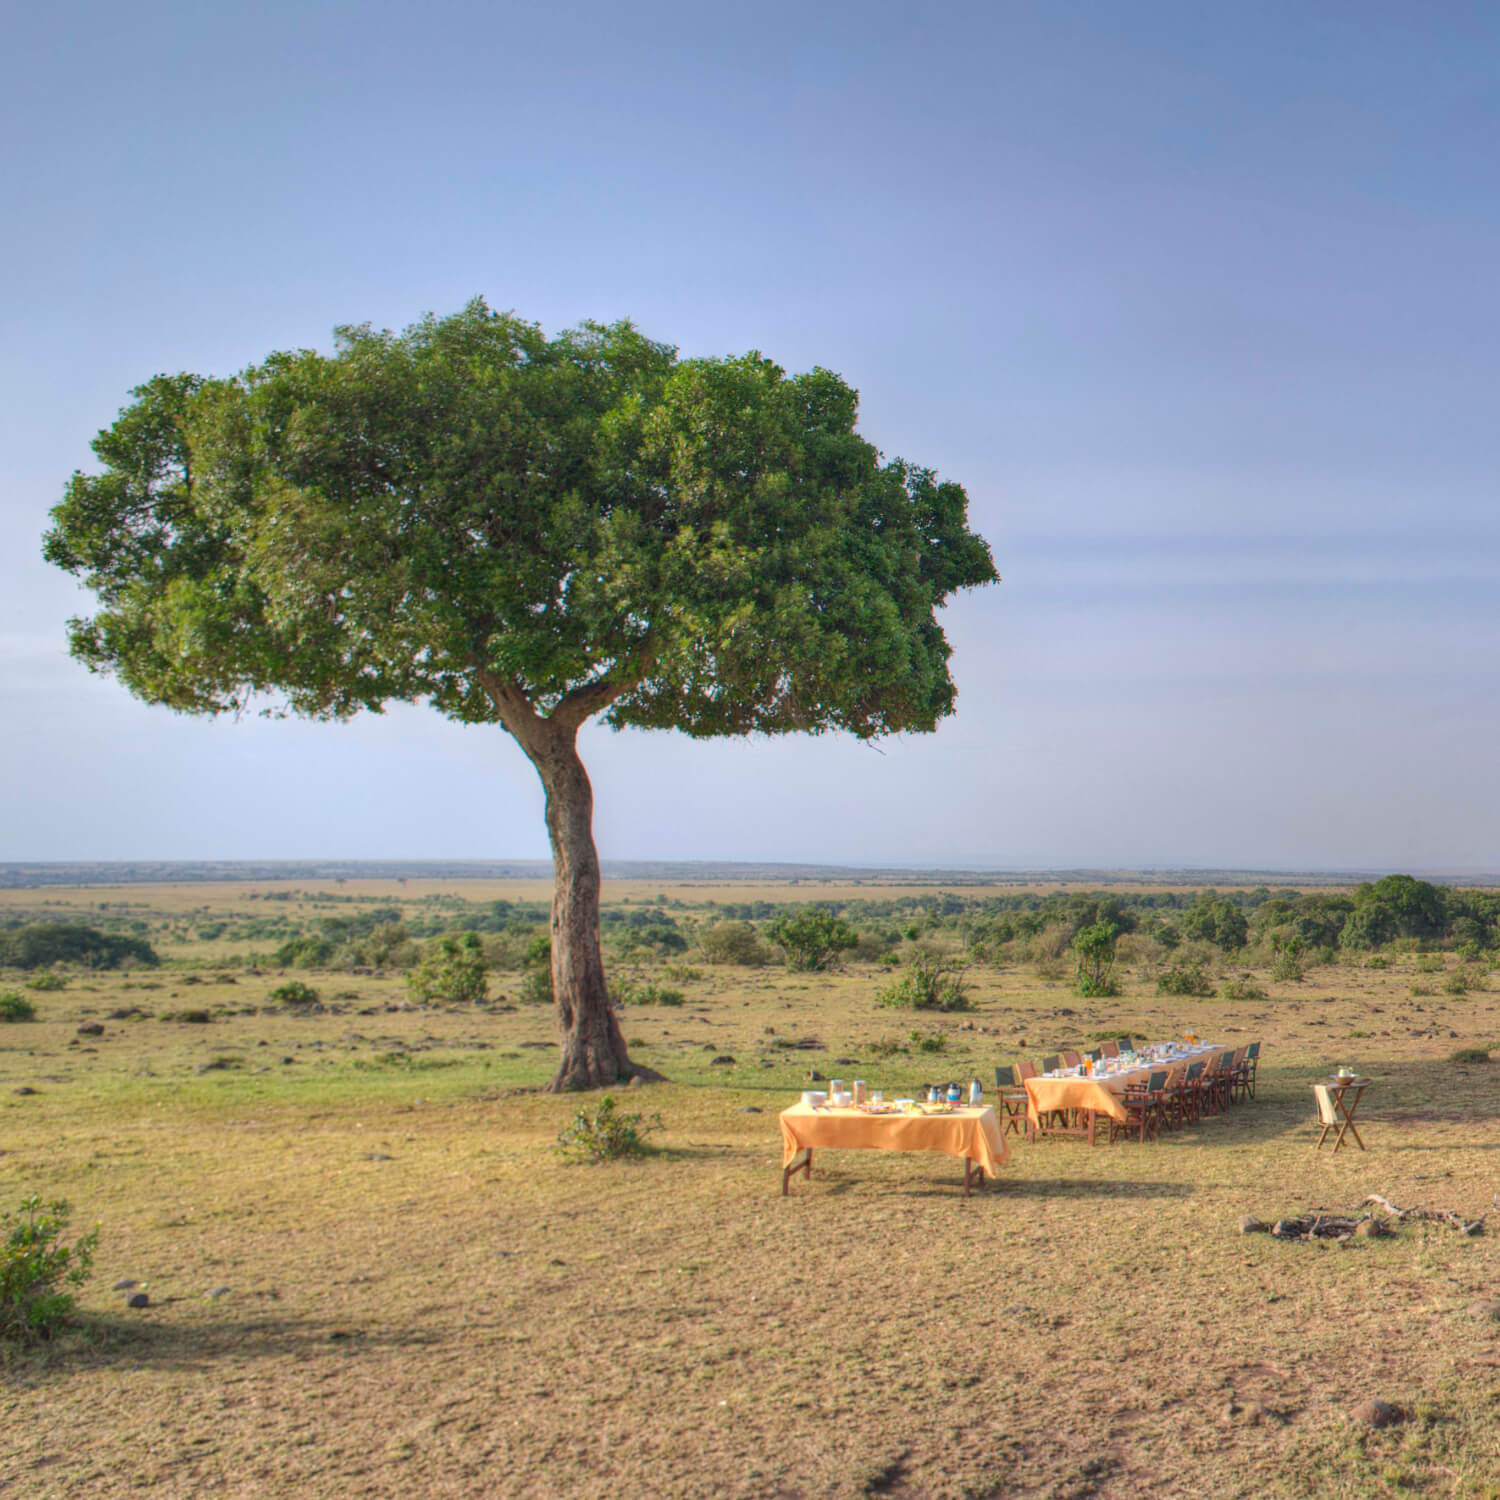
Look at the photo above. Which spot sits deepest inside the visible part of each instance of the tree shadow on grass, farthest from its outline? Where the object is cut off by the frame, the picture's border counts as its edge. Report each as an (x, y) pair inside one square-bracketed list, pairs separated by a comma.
[(98, 1341), (1086, 1187)]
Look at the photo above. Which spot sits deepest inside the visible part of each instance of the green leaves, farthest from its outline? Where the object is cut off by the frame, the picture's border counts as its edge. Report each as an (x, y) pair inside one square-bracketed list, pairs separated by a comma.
[(471, 514)]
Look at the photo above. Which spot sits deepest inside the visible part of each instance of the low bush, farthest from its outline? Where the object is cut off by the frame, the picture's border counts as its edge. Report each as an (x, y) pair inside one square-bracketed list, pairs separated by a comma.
[(47, 980), (1471, 1055), (1377, 962), (194, 1017), (41, 944), (811, 938), (1186, 979), (451, 971), (1460, 983), (929, 1041), (1287, 968), (607, 1135), (927, 984), (733, 943), (36, 1269), (1243, 989), (644, 992), (293, 993), (16, 1007)]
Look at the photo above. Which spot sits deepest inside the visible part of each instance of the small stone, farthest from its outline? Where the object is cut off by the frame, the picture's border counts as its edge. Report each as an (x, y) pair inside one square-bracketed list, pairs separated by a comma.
[(1251, 1225), (1378, 1414), (378, 1156), (217, 1292), (751, 1109), (25, 1088), (125, 1283), (1253, 1414), (91, 1028), (139, 1299), (1230, 1412), (724, 1061), (1284, 1229), (1369, 1229), (1484, 1307), (813, 1076)]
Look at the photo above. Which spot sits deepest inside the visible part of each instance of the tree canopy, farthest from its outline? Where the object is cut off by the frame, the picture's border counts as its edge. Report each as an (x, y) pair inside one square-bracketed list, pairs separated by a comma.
[(468, 511)]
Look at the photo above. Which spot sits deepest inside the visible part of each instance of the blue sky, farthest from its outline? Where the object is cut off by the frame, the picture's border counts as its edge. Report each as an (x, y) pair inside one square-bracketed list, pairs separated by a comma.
[(1198, 302)]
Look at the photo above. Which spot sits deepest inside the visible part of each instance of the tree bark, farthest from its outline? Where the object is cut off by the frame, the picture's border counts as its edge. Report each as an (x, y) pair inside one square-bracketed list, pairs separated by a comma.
[(593, 1047)]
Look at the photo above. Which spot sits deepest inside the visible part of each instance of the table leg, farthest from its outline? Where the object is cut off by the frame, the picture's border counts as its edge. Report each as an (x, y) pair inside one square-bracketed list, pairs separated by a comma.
[(978, 1170), (1093, 1115), (805, 1165)]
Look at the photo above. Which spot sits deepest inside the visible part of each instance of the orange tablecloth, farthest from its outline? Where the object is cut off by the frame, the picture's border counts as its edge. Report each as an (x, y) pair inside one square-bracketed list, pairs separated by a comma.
[(971, 1133), (1102, 1091)]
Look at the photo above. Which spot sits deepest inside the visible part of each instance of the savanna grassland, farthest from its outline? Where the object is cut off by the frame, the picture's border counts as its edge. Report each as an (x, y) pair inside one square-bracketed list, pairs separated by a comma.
[(371, 1274)]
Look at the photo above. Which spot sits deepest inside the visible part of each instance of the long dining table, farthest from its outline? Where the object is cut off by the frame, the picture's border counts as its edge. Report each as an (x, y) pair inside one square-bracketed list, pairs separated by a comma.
[(1071, 1090)]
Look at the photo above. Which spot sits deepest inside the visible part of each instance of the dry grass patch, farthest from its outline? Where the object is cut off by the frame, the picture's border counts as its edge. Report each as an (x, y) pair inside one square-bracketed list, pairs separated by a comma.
[(422, 1298)]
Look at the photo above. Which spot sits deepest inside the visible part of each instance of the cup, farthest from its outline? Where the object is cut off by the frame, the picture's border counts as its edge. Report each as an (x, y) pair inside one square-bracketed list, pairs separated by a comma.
[(859, 1092), (877, 1097)]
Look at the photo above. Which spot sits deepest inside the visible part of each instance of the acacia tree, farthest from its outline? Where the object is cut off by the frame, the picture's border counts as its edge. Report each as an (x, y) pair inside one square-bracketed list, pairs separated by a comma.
[(527, 532)]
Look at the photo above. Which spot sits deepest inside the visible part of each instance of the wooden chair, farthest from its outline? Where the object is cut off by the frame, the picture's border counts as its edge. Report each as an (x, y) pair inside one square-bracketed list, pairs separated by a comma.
[(1174, 1111), (1192, 1094), (1110, 1049), (1252, 1058), (1071, 1059), (1049, 1065), (1023, 1071), (1012, 1095), (1143, 1110), (1096, 1054), (1124, 1043)]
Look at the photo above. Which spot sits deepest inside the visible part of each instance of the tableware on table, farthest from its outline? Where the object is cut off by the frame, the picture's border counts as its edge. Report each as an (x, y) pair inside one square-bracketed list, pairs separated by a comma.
[(953, 1094), (859, 1091), (905, 1104), (976, 1093), (840, 1100), (835, 1085), (815, 1098), (1345, 1073), (932, 1094)]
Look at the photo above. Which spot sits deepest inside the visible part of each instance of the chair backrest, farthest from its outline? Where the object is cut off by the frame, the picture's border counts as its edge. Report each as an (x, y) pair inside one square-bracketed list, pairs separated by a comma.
[(1175, 1076), (1195, 1071), (1240, 1054), (1049, 1065), (1005, 1078), (1252, 1051), (1156, 1082), (1326, 1112), (1097, 1055), (1110, 1049), (1025, 1070), (1071, 1059), (1124, 1043), (1225, 1063)]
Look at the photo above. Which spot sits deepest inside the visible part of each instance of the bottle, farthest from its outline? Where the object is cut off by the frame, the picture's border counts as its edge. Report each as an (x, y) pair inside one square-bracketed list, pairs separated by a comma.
[(976, 1093), (955, 1094)]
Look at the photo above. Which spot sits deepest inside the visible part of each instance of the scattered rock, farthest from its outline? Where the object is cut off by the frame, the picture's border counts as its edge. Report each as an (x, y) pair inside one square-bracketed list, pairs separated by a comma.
[(25, 1088), (751, 1109), (139, 1299), (1251, 1225), (1370, 1229), (125, 1283), (1253, 1414), (378, 1156), (1378, 1414), (1285, 1229), (846, 1062), (813, 1076), (345, 1333), (1484, 1307), (724, 1061), (288, 1059), (217, 1292), (91, 1028), (1230, 1412)]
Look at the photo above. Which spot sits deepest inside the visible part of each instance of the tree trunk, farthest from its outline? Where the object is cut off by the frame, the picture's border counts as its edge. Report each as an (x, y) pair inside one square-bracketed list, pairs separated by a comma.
[(593, 1047)]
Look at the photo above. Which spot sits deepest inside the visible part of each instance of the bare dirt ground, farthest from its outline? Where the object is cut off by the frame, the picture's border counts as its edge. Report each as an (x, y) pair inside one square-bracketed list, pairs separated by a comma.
[(416, 1296)]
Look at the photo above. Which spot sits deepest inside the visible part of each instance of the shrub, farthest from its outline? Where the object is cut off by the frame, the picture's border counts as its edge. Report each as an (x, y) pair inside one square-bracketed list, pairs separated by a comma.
[(811, 938), (536, 987), (293, 992), (1186, 979), (40, 944), (1287, 968), (1377, 963), (1243, 989), (644, 992), (451, 971), (924, 1041), (35, 1267), (1420, 991), (47, 980), (1471, 1055), (1460, 983), (195, 1017), (1094, 953), (732, 943), (606, 1135), (927, 984), (16, 1007)]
